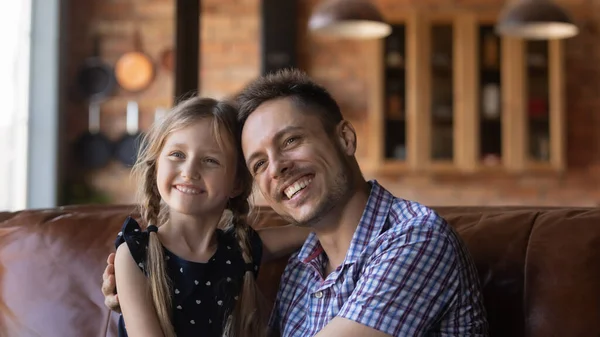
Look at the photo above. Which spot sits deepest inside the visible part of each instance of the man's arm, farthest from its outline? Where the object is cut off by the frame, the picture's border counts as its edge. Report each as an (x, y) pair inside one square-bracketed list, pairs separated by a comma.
[(281, 241), (340, 326), (407, 287)]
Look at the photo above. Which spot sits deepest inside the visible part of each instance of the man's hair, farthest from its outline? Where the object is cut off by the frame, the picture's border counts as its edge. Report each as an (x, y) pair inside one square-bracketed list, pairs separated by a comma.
[(304, 93)]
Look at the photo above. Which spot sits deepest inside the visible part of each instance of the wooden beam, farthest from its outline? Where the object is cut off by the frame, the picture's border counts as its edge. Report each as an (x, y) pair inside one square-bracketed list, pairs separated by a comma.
[(418, 118), (466, 89), (187, 48), (514, 116), (557, 105)]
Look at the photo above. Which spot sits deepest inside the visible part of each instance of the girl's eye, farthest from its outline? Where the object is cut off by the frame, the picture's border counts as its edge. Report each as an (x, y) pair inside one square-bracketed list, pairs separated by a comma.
[(177, 154), (211, 161)]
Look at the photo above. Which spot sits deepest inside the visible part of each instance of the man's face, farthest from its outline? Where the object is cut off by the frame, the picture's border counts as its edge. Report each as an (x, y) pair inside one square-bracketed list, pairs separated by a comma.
[(301, 170)]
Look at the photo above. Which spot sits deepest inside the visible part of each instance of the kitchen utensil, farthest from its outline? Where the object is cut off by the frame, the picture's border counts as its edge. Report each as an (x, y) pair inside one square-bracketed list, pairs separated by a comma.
[(134, 70), (95, 78), (127, 147), (93, 148)]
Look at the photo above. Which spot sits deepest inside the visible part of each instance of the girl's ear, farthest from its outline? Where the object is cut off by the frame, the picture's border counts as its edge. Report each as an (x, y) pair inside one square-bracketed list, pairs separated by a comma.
[(346, 136)]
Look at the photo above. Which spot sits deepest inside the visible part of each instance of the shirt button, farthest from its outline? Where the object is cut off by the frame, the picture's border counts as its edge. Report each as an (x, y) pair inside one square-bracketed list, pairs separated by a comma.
[(319, 294)]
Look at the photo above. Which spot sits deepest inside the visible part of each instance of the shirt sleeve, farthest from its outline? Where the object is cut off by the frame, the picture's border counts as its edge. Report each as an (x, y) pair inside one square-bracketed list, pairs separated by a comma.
[(136, 240), (408, 283), (275, 319)]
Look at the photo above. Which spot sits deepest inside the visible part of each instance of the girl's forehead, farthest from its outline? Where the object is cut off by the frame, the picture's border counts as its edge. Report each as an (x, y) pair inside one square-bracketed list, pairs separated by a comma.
[(205, 133)]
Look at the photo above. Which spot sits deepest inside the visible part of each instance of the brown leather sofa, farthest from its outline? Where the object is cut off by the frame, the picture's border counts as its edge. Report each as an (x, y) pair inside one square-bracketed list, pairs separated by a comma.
[(539, 267)]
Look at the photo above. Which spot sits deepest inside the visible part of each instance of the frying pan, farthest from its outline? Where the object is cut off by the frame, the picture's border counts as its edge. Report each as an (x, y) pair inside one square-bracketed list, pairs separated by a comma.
[(126, 149), (134, 70), (95, 78), (93, 148)]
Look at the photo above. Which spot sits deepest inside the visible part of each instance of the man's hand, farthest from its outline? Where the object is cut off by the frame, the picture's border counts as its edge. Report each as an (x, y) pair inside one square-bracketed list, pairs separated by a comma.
[(109, 285)]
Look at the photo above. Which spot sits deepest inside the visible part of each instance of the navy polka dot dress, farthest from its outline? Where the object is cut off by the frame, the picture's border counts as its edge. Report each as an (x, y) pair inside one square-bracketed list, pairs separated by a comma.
[(204, 294)]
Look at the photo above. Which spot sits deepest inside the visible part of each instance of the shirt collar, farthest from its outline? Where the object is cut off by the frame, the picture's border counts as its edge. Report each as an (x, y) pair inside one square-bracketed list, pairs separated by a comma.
[(370, 226)]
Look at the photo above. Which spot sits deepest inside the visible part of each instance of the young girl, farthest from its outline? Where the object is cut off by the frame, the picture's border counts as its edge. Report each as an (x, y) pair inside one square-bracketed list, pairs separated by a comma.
[(184, 275)]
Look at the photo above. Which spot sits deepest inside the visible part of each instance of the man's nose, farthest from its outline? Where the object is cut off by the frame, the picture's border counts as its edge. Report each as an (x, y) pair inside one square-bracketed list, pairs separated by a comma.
[(279, 166)]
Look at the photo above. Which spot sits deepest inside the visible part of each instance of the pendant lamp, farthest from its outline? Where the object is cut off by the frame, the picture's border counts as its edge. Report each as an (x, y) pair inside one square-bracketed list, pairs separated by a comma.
[(352, 19), (535, 20)]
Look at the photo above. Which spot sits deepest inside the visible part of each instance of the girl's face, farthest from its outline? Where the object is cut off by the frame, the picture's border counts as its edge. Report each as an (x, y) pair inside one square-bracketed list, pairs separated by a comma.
[(195, 176)]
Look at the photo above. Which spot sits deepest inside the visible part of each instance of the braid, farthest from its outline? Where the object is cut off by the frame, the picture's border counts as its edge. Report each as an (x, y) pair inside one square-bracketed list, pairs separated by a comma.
[(150, 207), (160, 287), (250, 313)]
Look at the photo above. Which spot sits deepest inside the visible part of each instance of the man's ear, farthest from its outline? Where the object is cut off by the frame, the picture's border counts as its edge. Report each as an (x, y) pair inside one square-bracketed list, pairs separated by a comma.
[(346, 137)]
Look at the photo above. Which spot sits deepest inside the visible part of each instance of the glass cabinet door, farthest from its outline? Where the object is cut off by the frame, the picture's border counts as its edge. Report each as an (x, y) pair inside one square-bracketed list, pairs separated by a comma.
[(537, 100), (395, 94), (490, 100), (442, 92)]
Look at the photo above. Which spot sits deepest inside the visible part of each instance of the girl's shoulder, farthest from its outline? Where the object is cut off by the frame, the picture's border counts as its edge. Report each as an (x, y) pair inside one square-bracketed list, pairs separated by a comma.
[(136, 239)]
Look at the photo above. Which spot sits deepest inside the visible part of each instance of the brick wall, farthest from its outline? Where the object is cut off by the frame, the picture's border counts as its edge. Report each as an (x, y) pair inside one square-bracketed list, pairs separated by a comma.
[(230, 58), (115, 22)]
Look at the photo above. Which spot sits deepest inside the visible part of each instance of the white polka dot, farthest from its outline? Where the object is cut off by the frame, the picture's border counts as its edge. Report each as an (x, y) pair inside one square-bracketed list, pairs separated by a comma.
[(208, 283), (235, 298), (176, 291), (220, 302), (136, 230), (120, 234), (255, 267), (181, 270), (192, 322), (179, 307), (198, 301), (209, 321), (196, 282), (137, 242), (228, 247), (228, 262), (229, 279), (167, 257)]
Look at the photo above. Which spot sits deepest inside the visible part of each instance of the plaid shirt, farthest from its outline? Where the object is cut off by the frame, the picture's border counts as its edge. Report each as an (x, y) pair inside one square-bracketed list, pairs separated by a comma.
[(406, 273)]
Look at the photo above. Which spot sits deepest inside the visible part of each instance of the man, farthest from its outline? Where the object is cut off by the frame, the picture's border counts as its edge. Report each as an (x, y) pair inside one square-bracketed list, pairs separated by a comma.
[(375, 265)]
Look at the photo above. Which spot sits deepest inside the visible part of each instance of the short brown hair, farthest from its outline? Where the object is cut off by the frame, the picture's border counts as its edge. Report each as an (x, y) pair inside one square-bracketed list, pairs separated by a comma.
[(295, 84)]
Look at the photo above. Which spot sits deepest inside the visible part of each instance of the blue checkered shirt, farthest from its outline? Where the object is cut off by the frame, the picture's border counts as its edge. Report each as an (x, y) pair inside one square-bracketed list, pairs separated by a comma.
[(406, 273)]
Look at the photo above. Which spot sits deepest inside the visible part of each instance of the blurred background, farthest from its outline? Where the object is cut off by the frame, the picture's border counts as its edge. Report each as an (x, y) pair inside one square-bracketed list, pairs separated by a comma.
[(448, 110)]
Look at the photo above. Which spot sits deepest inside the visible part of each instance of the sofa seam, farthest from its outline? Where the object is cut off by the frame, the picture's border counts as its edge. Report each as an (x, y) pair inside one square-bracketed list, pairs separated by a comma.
[(525, 265)]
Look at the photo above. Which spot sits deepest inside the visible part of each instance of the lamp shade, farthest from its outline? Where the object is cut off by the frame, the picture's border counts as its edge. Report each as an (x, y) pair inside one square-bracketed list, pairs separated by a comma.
[(536, 20), (354, 19)]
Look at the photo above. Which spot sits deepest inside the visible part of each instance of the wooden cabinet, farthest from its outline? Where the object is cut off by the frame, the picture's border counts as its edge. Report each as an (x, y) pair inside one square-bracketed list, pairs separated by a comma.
[(449, 94)]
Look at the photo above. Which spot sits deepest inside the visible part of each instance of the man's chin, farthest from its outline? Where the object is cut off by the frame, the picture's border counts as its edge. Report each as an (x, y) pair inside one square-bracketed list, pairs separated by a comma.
[(306, 216)]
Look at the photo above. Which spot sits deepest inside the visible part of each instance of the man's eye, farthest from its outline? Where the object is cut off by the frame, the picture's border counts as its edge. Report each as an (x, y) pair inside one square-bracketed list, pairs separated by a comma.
[(257, 165), (290, 140)]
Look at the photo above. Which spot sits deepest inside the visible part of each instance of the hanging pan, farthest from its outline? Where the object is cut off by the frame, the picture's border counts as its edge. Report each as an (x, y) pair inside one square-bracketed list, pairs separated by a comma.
[(134, 70), (95, 78), (93, 148), (126, 149)]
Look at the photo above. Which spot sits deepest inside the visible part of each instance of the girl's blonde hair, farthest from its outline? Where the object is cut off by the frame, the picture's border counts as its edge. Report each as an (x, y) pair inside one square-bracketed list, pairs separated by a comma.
[(249, 315)]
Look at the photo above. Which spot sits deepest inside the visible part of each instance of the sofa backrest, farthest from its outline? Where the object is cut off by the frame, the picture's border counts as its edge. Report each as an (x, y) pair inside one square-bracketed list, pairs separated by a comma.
[(539, 268)]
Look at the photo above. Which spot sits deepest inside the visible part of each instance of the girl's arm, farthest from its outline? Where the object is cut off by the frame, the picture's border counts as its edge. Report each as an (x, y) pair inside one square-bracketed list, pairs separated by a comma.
[(134, 297), (281, 241)]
